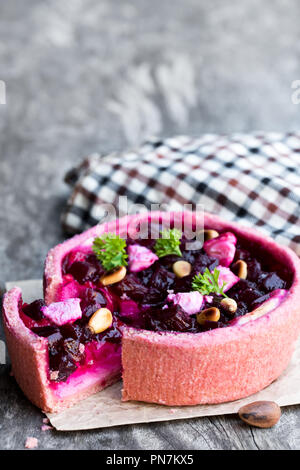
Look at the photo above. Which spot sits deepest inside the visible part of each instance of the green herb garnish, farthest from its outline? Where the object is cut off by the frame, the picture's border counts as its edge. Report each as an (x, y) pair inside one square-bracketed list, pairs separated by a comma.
[(169, 243), (207, 283), (110, 250)]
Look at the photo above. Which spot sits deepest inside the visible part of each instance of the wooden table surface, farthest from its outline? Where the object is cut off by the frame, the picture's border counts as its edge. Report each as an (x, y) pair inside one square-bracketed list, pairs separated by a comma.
[(91, 75)]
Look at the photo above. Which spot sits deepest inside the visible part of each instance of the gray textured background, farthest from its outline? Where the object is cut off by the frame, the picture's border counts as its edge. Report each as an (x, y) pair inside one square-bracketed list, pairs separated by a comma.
[(88, 75)]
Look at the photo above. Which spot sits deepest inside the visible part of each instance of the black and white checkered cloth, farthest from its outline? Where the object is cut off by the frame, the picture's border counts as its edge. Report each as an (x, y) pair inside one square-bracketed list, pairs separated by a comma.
[(252, 178)]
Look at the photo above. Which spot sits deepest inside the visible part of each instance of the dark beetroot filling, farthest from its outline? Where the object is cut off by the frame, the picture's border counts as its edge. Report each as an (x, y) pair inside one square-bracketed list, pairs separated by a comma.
[(138, 299)]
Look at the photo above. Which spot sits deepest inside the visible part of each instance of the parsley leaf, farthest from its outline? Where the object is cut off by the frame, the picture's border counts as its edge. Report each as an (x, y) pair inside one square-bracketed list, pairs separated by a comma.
[(169, 243), (207, 283), (110, 250)]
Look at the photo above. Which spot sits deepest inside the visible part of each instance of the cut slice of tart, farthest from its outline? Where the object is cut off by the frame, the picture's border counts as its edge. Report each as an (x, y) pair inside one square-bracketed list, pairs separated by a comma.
[(57, 365), (186, 325)]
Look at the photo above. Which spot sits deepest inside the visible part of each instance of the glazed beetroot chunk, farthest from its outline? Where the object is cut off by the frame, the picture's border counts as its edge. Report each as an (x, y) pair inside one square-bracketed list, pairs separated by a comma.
[(132, 287), (34, 310), (270, 282), (90, 302), (86, 270), (61, 363), (172, 318)]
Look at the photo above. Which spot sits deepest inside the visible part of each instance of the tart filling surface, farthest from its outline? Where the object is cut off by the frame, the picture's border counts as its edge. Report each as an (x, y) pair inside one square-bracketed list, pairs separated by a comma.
[(153, 293)]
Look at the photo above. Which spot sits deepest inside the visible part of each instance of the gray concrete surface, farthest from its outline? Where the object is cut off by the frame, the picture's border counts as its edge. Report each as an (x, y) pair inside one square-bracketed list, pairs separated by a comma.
[(88, 75)]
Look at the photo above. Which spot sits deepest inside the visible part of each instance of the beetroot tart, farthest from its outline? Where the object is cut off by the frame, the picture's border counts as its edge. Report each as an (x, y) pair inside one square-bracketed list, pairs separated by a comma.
[(183, 324)]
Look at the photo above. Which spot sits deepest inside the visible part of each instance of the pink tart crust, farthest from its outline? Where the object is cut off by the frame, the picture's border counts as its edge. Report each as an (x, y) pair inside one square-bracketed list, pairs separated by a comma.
[(162, 367)]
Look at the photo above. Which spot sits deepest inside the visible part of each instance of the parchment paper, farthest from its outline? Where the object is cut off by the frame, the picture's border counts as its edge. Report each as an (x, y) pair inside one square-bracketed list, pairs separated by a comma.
[(105, 409)]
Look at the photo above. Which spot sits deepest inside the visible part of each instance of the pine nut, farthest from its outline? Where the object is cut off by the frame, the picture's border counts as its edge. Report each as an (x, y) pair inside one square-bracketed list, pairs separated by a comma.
[(114, 277), (100, 320), (262, 414), (209, 314), (182, 268), (229, 305), (209, 234), (240, 268)]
